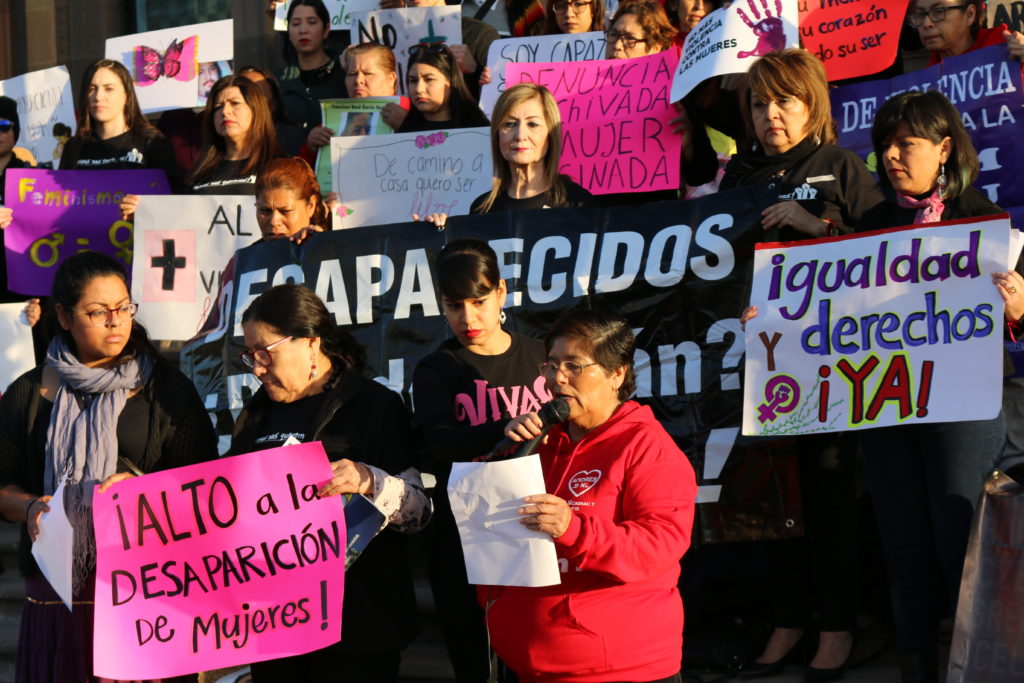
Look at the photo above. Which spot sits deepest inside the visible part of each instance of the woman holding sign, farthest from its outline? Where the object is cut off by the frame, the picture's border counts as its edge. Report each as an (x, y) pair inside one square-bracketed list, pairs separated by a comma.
[(104, 405), (925, 479), (440, 98), (313, 389), (949, 28)]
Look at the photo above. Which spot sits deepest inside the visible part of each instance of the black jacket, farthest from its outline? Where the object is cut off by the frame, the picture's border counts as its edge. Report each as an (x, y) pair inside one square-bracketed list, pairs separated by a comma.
[(365, 422)]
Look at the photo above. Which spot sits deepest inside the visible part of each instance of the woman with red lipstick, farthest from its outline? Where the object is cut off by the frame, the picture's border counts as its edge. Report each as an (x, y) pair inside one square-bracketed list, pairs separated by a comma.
[(320, 74), (451, 388), (440, 98), (925, 480), (102, 406)]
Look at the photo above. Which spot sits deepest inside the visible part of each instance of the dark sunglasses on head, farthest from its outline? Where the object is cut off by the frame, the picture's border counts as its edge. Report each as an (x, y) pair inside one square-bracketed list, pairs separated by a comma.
[(427, 47), (6, 126)]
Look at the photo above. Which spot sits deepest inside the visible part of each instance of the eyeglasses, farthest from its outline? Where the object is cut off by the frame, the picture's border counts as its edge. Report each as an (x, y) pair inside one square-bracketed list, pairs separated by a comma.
[(561, 7), (936, 14), (569, 367), (102, 316), (6, 126), (427, 47), (261, 355), (612, 36)]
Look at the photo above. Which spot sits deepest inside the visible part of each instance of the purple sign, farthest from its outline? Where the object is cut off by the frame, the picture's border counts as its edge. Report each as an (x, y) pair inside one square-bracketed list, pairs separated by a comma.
[(985, 86), (59, 213)]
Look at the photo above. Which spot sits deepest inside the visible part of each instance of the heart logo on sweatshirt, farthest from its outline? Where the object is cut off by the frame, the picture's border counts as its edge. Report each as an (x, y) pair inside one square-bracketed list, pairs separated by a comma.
[(583, 481)]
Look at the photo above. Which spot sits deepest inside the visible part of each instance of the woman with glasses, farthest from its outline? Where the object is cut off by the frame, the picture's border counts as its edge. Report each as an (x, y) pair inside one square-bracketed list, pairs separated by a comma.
[(638, 28), (103, 407), (440, 98), (312, 388), (619, 506), (481, 358), (573, 16), (948, 28)]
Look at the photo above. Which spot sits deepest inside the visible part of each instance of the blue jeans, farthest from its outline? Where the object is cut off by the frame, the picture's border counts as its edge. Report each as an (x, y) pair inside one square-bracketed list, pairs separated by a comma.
[(924, 481)]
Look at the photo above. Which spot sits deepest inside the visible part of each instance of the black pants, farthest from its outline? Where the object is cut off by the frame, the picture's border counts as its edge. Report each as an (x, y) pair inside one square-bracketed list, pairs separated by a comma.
[(330, 664)]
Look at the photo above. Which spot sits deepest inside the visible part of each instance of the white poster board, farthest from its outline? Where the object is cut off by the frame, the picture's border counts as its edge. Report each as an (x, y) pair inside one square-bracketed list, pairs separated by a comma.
[(44, 100), (340, 11), (891, 327), (17, 355), (729, 40), (386, 178), (182, 245), (400, 29), (175, 67), (531, 49)]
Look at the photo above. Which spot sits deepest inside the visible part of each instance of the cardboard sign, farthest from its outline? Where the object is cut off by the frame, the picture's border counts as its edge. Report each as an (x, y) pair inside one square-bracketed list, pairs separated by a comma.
[(175, 67), (1009, 12), (183, 244), (616, 114), (350, 117), (218, 564), (340, 11), (401, 29), (853, 38), (529, 49), (409, 173), (44, 103), (892, 327), (729, 40), (58, 213)]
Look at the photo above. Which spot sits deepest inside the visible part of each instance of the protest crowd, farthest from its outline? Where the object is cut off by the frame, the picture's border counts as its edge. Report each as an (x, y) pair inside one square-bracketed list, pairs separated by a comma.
[(586, 477)]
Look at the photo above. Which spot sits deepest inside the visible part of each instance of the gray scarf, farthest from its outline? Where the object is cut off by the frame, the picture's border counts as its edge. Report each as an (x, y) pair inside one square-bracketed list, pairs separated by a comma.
[(81, 442)]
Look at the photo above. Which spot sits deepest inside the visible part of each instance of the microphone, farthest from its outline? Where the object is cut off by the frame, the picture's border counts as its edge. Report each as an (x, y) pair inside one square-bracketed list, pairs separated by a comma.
[(551, 413)]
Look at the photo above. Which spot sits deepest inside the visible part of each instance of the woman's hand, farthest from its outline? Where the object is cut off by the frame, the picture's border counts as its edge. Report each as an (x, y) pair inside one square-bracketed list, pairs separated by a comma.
[(463, 57), (547, 513), (304, 234), (33, 312), (33, 512), (438, 219), (113, 479), (393, 115), (749, 313), (485, 76), (524, 427), (319, 137), (349, 477), (6, 216), (1015, 44), (1011, 288), (128, 204), (795, 216)]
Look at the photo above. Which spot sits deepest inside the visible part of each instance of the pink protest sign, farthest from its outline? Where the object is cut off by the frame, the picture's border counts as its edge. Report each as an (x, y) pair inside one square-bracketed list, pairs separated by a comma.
[(217, 564), (616, 114), (853, 38)]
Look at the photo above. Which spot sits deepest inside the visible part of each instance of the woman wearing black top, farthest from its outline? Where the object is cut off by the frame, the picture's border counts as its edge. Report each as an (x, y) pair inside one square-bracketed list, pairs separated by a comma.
[(440, 98), (453, 387), (112, 132)]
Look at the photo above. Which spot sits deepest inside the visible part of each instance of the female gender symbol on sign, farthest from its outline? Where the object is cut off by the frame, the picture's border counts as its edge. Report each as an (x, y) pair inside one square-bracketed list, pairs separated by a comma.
[(781, 395)]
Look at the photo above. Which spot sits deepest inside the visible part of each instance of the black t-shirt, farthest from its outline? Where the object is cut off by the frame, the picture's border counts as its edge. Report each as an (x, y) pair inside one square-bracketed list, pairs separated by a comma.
[(227, 178), (127, 151), (575, 196), (284, 420), (464, 399)]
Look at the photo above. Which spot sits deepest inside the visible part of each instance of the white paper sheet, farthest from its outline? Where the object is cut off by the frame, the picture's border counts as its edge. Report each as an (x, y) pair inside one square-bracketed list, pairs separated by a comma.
[(17, 355), (485, 499), (53, 549)]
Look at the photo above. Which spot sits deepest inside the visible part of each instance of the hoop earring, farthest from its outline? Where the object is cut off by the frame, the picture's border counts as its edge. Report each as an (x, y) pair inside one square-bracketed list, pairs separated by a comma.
[(942, 181), (502, 317)]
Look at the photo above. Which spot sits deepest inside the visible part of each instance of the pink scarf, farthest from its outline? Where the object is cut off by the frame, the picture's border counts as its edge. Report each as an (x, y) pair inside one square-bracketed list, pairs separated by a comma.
[(929, 209)]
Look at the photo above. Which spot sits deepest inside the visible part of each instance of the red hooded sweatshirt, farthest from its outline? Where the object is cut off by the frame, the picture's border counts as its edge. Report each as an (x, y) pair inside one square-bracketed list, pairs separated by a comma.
[(617, 615)]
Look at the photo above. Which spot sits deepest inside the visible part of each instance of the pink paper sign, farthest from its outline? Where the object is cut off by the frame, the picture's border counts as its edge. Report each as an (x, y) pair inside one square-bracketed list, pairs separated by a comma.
[(616, 114), (218, 564)]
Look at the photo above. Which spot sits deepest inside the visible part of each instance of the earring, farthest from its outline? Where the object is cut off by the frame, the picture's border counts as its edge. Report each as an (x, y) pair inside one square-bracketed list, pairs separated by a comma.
[(942, 181), (312, 370), (502, 317)]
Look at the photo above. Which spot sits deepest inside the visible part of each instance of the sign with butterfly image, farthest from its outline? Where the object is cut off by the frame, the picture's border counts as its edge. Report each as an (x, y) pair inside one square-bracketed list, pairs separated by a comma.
[(175, 68)]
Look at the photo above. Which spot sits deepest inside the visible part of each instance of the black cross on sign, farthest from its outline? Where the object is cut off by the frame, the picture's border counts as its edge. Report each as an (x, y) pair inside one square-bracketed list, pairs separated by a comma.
[(169, 262)]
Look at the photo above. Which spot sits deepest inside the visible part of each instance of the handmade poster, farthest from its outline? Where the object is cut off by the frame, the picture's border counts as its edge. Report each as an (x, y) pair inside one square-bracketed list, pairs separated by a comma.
[(853, 38), (730, 39), (350, 117), (218, 564), (1009, 12), (566, 47), (17, 355), (985, 87), (340, 11), (641, 260), (892, 327), (166, 64), (387, 179), (183, 244), (406, 28), (59, 213), (46, 111), (616, 120)]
